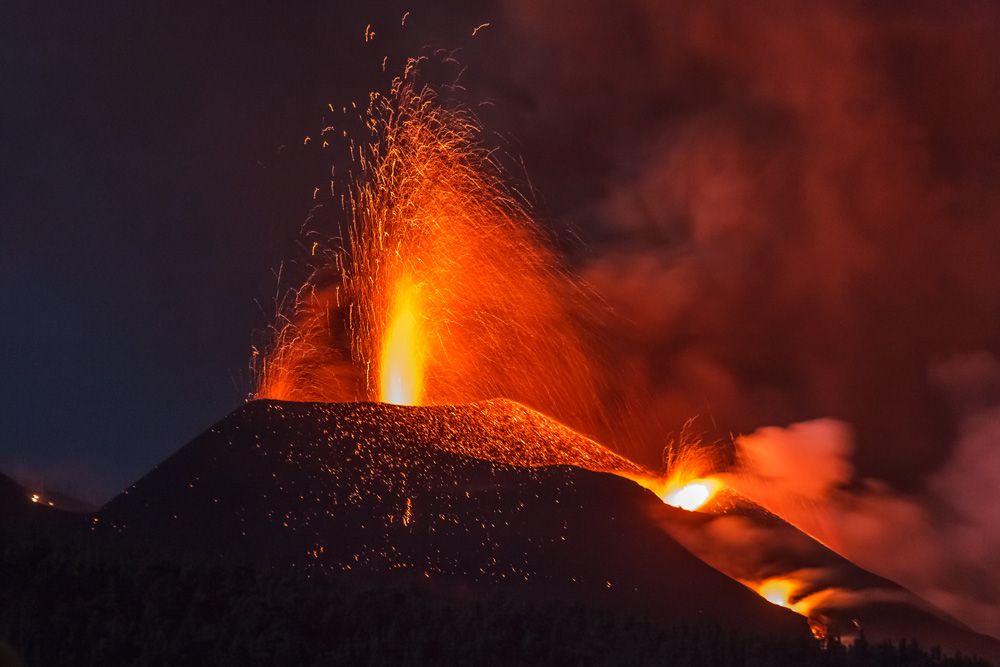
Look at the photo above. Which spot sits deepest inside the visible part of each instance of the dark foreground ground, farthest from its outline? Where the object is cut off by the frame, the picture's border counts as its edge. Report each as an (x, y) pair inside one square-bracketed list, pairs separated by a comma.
[(70, 597)]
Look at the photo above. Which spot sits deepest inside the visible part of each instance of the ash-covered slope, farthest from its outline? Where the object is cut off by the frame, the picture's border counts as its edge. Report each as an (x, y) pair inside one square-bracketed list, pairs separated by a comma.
[(750, 544), (395, 491)]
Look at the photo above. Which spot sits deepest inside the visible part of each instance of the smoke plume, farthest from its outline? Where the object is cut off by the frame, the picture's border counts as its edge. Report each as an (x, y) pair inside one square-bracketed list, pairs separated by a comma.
[(794, 202), (941, 541), (793, 209)]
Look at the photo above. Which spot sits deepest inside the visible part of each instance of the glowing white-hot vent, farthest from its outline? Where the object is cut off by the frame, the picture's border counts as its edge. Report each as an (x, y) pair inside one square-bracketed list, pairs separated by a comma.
[(693, 495)]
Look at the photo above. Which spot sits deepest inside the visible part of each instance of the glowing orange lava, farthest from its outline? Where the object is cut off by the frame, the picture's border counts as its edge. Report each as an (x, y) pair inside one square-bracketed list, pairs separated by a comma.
[(401, 364), (790, 591), (689, 480), (778, 591)]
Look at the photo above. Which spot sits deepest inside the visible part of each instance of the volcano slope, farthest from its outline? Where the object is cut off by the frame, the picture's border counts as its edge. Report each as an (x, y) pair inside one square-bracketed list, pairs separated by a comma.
[(395, 492), (750, 544)]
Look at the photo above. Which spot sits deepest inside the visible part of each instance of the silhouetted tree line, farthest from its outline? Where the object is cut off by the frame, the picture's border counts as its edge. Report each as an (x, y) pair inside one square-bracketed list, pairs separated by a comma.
[(87, 601)]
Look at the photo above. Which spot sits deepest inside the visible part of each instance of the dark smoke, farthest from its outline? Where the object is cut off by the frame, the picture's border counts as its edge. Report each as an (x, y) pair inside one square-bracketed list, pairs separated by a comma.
[(794, 209), (942, 542)]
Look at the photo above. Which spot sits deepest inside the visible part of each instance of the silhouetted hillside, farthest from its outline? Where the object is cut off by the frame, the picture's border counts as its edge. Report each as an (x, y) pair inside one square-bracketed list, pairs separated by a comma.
[(373, 488), (481, 497)]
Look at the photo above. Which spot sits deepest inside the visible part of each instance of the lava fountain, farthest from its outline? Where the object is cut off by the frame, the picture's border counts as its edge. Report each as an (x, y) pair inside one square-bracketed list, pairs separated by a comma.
[(401, 367), (448, 291)]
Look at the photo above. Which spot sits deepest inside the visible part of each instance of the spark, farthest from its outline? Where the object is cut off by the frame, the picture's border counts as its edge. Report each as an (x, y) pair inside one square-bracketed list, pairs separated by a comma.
[(408, 515), (485, 25)]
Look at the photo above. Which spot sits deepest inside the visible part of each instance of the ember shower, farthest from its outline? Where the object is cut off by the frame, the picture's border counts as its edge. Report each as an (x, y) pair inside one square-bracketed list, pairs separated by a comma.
[(448, 291)]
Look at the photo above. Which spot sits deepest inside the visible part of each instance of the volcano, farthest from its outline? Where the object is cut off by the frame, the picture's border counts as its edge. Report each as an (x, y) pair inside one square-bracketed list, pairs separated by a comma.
[(474, 498), (387, 490)]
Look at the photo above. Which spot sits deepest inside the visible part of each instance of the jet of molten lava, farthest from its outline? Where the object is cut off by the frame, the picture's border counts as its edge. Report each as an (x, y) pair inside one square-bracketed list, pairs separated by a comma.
[(402, 368), (689, 481), (693, 495)]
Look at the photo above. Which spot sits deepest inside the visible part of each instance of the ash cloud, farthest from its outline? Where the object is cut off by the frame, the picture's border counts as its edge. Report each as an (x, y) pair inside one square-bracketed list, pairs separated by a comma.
[(791, 206), (792, 209)]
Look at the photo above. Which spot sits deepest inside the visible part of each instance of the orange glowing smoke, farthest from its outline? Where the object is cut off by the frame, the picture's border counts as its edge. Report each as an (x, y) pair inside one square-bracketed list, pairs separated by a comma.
[(448, 292)]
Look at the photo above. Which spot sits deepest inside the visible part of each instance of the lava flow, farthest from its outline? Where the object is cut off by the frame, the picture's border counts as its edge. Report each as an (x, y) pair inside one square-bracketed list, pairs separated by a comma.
[(788, 592)]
